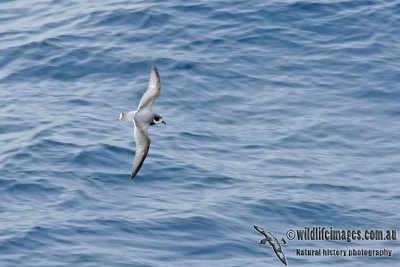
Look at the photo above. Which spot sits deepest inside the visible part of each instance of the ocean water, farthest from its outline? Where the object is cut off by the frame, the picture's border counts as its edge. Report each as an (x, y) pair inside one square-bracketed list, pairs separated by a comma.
[(284, 114)]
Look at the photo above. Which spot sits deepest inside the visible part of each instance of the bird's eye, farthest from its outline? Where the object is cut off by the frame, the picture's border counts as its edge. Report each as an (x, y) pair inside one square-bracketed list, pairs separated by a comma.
[(156, 119)]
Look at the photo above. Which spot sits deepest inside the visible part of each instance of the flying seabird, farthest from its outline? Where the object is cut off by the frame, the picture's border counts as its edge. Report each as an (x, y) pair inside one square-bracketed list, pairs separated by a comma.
[(276, 245), (142, 118)]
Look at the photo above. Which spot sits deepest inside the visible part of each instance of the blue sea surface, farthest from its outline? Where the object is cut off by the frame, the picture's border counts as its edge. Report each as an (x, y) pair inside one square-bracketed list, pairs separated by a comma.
[(283, 114)]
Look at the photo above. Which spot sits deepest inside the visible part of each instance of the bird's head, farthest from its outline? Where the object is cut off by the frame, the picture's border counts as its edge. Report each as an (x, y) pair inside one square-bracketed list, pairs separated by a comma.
[(157, 119)]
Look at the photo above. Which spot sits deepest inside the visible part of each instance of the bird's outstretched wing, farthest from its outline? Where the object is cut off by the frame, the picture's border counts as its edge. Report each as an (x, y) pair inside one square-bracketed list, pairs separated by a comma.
[(260, 230), (153, 90), (281, 256), (142, 141)]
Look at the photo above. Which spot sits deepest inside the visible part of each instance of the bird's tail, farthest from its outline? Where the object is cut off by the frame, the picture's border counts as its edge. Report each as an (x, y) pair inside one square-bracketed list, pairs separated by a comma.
[(127, 116)]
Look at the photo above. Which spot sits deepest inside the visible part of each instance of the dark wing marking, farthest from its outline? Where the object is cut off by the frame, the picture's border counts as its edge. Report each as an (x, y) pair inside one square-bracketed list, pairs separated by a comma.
[(142, 140)]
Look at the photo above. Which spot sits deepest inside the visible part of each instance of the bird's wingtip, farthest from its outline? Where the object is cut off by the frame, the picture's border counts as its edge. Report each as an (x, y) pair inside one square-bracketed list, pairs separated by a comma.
[(155, 70)]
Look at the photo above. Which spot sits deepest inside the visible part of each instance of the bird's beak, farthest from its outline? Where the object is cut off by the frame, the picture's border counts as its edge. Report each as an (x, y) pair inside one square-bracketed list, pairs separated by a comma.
[(164, 122)]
